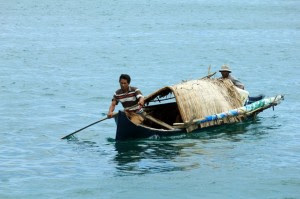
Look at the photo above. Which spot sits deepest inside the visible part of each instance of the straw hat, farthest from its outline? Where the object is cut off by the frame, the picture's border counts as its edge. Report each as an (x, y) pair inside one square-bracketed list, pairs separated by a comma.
[(225, 68)]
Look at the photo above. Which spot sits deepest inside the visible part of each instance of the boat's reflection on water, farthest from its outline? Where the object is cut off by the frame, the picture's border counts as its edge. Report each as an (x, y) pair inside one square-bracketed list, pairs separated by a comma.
[(176, 153), (141, 157)]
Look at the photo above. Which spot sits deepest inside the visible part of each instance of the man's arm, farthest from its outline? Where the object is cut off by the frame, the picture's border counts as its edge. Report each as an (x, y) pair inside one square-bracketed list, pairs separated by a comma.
[(140, 96), (237, 83), (141, 101), (241, 87), (111, 109)]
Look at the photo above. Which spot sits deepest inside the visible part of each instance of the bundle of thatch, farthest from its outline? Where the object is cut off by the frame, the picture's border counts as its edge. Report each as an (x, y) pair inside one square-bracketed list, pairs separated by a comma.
[(199, 98)]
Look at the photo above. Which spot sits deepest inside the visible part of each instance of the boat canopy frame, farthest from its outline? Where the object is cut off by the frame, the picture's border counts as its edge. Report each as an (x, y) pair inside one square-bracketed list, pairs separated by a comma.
[(196, 99)]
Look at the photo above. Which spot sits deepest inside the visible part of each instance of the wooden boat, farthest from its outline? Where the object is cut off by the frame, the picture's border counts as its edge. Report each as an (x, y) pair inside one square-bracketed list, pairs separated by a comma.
[(191, 106)]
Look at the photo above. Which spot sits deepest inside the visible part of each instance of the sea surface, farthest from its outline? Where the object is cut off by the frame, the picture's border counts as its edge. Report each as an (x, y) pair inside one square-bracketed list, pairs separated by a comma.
[(59, 66)]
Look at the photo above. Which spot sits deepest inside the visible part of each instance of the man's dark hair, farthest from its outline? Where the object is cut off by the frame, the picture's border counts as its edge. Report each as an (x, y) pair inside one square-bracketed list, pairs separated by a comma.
[(125, 76)]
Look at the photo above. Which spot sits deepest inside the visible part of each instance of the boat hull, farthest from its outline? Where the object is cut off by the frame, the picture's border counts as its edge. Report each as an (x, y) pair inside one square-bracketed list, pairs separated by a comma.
[(127, 130)]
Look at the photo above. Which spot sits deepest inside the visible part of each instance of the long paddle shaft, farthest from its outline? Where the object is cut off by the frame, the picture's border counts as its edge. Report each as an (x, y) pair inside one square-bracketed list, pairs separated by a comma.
[(95, 123), (85, 127)]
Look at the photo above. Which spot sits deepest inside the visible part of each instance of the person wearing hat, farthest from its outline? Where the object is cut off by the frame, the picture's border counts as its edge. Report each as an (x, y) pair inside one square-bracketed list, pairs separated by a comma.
[(225, 71)]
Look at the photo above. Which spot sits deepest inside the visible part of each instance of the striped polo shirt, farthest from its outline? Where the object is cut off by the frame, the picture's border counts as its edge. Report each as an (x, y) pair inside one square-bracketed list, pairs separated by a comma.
[(129, 98)]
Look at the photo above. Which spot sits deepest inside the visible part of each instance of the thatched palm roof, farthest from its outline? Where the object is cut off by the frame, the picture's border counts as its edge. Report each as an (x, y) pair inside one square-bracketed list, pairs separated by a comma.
[(199, 98)]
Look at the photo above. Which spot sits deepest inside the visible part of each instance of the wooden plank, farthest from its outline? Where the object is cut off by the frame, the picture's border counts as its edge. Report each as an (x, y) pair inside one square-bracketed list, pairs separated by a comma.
[(157, 121)]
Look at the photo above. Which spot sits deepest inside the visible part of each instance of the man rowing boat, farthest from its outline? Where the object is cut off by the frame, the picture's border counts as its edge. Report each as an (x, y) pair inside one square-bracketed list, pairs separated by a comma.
[(128, 96)]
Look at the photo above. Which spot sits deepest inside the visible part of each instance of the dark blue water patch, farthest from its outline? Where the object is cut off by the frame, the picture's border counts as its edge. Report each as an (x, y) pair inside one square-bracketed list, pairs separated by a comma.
[(48, 94)]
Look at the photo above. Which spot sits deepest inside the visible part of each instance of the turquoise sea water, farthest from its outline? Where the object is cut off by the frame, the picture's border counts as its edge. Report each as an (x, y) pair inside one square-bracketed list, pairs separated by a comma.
[(60, 62)]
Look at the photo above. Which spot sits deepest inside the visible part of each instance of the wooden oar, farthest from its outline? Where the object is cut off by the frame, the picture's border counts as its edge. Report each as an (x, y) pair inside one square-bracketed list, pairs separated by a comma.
[(97, 122), (129, 108), (87, 126)]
